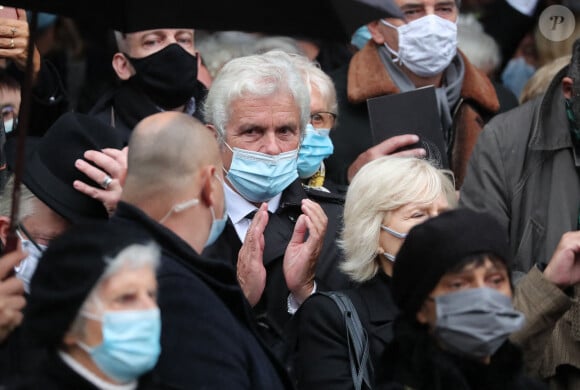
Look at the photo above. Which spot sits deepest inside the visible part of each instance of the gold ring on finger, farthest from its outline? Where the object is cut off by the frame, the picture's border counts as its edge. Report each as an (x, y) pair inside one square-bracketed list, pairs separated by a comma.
[(12, 43)]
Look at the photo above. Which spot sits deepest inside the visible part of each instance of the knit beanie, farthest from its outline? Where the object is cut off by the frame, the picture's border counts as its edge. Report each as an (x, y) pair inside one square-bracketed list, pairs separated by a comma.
[(438, 245)]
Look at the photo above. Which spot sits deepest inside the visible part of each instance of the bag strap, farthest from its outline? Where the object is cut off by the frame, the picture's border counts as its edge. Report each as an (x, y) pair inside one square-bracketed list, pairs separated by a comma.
[(357, 340)]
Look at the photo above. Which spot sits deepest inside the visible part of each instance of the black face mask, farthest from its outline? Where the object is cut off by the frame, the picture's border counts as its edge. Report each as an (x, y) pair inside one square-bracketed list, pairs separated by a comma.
[(168, 77)]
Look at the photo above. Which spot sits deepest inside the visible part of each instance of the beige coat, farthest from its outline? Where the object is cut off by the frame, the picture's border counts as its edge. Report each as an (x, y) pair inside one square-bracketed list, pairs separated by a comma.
[(551, 323)]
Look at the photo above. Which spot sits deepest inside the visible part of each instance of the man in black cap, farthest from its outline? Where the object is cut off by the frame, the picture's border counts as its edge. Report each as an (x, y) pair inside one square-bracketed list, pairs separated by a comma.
[(49, 203), (452, 285)]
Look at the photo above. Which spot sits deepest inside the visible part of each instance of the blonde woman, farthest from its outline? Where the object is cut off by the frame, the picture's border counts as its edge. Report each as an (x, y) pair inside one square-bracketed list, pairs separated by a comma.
[(386, 198)]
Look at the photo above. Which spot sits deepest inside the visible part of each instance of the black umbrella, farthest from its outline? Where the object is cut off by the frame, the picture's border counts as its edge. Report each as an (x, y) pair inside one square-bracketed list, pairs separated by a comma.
[(324, 19)]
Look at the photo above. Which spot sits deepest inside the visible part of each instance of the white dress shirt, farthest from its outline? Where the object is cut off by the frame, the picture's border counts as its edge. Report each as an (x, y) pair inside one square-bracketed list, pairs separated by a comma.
[(238, 208)]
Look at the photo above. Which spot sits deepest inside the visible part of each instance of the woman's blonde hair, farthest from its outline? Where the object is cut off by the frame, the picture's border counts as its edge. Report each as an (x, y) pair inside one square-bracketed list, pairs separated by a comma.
[(380, 187)]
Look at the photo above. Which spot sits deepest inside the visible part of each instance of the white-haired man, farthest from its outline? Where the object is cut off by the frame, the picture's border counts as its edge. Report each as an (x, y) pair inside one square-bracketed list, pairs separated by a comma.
[(259, 107)]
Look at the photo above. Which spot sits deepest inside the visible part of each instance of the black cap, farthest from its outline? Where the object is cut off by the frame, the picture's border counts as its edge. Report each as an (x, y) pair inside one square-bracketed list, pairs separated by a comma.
[(436, 246), (66, 274), (49, 169)]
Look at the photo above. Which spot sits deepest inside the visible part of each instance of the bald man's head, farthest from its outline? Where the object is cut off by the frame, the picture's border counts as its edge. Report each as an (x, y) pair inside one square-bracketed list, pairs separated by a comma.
[(166, 150)]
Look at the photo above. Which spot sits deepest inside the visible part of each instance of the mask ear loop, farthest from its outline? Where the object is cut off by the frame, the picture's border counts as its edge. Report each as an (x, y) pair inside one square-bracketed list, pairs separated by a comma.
[(179, 208), (396, 58), (29, 237)]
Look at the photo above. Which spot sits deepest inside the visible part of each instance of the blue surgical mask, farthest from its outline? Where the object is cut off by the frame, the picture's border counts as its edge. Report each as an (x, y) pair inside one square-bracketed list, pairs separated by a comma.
[(316, 146), (516, 74), (217, 227), (258, 177), (130, 344), (25, 270), (360, 37)]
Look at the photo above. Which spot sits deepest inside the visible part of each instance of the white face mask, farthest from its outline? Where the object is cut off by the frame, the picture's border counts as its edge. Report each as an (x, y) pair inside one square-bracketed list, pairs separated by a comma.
[(426, 45), (25, 270)]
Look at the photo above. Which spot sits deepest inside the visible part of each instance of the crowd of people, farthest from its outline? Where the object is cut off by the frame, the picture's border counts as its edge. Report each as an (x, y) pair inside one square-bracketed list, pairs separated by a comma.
[(222, 216)]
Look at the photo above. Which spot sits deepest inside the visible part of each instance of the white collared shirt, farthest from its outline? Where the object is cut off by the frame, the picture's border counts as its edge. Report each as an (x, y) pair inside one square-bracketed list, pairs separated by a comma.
[(238, 208), (91, 377)]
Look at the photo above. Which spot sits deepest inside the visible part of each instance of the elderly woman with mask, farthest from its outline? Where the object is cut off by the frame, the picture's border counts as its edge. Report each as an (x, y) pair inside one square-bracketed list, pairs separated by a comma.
[(316, 144), (385, 200), (453, 288), (93, 311)]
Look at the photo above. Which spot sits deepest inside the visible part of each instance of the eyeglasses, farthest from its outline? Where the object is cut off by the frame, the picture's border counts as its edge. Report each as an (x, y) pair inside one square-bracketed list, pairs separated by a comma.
[(323, 120)]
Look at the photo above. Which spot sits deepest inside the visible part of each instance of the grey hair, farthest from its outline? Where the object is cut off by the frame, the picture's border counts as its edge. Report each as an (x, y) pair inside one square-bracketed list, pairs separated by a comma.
[(314, 76), (133, 256), (220, 47), (480, 48), (260, 75), (286, 44), (380, 187), (26, 206)]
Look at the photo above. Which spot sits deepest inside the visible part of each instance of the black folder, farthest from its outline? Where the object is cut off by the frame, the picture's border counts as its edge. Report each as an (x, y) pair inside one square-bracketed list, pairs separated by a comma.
[(412, 112)]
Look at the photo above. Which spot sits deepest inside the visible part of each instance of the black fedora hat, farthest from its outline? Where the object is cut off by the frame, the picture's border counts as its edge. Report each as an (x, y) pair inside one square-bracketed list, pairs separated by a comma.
[(67, 272), (49, 168)]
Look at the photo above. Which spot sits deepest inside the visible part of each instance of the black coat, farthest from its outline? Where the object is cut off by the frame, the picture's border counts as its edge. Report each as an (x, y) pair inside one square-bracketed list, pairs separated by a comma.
[(414, 361), (125, 106), (273, 307), (208, 337), (321, 356), (55, 374)]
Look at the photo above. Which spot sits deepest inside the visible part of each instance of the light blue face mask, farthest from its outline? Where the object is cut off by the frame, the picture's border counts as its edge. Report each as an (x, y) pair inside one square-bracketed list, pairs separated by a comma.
[(316, 146), (360, 37), (130, 344), (217, 227), (259, 177)]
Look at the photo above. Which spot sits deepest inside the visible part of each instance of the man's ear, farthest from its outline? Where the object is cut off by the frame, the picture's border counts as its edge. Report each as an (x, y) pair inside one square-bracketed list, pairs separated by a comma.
[(567, 84), (122, 66), (4, 228), (213, 130), (422, 316), (376, 35), (208, 185), (69, 339)]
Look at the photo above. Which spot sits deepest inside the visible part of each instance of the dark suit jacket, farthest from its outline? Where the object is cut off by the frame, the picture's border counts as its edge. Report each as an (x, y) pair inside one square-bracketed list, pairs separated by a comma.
[(208, 333), (321, 355), (272, 308)]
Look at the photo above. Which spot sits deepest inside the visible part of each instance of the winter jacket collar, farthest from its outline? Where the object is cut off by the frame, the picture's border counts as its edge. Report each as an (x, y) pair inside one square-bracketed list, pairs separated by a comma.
[(550, 129), (367, 78)]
